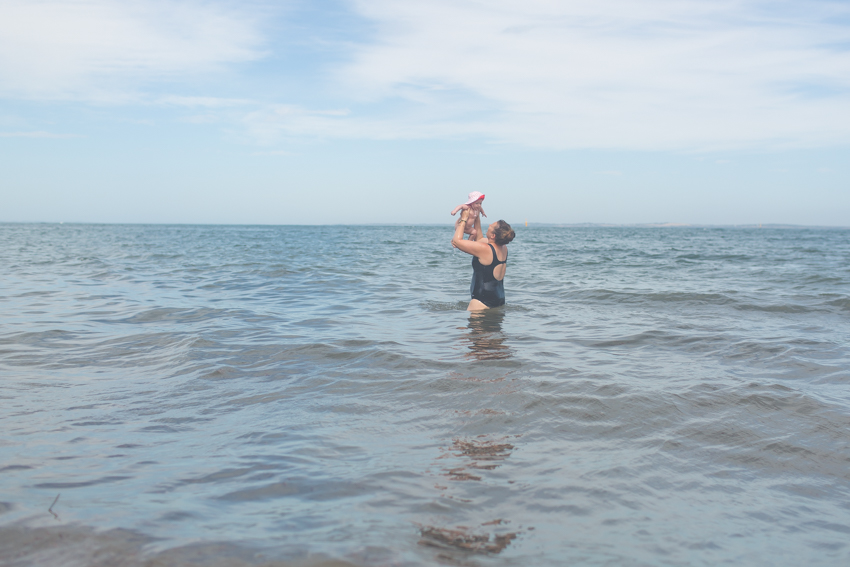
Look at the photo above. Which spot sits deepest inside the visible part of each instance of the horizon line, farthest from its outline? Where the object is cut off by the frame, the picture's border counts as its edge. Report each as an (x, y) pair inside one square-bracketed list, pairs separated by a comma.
[(520, 225)]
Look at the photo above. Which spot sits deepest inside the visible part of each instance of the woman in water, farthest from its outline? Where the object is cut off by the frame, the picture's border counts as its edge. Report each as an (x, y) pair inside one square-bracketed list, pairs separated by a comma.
[(489, 262)]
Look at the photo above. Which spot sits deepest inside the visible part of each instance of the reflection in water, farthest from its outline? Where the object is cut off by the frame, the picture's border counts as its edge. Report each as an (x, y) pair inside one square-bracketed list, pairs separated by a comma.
[(462, 540), (472, 458), (456, 543), (485, 335), (488, 451), (479, 454)]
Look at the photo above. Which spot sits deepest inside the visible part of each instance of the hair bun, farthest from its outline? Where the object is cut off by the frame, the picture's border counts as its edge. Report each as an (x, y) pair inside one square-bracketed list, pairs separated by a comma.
[(503, 233)]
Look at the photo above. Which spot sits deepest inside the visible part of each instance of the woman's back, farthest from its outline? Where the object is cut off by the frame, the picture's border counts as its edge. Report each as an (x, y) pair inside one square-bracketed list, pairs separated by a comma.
[(487, 284), (497, 267)]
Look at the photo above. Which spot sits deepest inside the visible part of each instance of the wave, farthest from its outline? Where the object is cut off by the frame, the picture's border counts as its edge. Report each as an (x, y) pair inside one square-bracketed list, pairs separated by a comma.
[(58, 546)]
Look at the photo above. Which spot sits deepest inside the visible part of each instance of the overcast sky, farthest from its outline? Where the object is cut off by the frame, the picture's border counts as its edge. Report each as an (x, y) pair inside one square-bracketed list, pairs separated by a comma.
[(362, 111)]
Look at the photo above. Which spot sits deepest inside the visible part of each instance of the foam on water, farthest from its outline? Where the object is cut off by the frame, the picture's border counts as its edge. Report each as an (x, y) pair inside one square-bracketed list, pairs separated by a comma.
[(239, 395)]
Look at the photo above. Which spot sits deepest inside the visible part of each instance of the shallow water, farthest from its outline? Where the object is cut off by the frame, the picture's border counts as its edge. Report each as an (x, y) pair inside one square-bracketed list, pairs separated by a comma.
[(671, 396)]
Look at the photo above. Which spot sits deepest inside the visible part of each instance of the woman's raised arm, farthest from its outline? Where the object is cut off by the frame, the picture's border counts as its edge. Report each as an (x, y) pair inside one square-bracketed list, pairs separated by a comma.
[(460, 225), (482, 237), (475, 248)]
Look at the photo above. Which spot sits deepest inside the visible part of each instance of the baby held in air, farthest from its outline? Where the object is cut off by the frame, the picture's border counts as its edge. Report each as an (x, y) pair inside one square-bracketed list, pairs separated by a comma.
[(473, 205)]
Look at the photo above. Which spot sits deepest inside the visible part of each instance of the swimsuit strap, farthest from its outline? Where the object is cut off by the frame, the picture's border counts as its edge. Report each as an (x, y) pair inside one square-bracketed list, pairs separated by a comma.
[(496, 260)]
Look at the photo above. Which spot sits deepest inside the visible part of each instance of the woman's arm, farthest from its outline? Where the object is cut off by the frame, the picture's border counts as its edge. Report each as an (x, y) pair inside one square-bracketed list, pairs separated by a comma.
[(482, 237), (460, 225), (472, 247)]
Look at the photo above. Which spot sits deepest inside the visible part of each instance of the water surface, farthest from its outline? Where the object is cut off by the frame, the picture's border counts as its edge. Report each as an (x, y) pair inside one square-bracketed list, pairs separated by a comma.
[(673, 396)]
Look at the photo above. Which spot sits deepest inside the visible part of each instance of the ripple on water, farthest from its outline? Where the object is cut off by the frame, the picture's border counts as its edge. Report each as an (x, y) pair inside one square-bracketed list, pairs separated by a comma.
[(646, 396)]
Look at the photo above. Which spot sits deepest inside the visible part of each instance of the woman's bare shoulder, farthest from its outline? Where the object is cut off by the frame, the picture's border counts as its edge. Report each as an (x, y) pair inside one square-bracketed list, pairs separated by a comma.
[(474, 247)]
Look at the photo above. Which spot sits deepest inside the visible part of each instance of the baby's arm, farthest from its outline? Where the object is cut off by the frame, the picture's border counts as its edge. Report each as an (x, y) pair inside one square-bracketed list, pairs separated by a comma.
[(482, 211), (459, 207)]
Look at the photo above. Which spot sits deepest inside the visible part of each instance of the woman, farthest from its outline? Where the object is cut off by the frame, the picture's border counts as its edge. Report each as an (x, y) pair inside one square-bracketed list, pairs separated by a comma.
[(489, 264)]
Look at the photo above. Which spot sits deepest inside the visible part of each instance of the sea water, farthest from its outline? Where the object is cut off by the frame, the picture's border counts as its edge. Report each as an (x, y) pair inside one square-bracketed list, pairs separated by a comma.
[(211, 395)]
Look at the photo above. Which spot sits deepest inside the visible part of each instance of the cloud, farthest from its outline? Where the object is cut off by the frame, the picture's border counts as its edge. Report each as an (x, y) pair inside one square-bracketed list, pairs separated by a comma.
[(637, 74), (203, 101), (555, 74), (36, 134), (268, 123), (105, 49)]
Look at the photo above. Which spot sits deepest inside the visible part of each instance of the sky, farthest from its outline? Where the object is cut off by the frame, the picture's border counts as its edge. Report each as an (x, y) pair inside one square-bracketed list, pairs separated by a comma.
[(379, 111)]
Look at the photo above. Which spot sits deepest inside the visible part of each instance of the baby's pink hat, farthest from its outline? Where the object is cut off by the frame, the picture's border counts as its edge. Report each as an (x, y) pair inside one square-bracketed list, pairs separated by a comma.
[(474, 196)]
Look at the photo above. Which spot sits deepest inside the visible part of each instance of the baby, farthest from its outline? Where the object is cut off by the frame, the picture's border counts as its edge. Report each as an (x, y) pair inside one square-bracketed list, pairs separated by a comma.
[(473, 205)]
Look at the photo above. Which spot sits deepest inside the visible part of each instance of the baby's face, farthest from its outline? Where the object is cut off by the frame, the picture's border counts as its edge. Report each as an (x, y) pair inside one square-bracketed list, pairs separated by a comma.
[(476, 205)]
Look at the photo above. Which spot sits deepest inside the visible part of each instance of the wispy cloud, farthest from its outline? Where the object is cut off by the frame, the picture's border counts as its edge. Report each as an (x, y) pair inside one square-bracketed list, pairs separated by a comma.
[(630, 74), (267, 124), (103, 49), (36, 134), (617, 73), (204, 101)]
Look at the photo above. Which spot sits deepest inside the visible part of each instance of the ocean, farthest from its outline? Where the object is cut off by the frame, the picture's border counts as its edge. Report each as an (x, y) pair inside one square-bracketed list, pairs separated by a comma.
[(318, 395)]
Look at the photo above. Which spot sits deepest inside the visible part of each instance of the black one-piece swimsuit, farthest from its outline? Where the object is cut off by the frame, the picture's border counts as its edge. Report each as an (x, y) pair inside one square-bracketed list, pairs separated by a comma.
[(485, 287)]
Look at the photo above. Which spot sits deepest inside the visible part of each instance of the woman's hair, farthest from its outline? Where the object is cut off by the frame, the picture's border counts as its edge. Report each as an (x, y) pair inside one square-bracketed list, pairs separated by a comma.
[(503, 232)]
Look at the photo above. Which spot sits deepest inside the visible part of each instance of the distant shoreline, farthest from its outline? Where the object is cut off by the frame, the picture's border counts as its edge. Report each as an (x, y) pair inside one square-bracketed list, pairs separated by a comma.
[(686, 225), (516, 224)]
